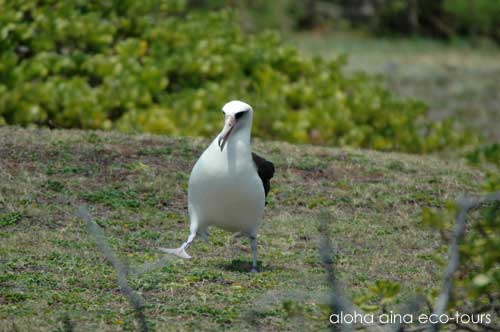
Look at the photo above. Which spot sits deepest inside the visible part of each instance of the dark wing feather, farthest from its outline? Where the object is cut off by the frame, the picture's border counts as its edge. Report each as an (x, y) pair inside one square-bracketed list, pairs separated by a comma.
[(265, 169)]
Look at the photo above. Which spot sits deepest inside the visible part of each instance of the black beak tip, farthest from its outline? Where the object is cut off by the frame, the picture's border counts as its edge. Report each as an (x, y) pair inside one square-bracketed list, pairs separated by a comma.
[(221, 143)]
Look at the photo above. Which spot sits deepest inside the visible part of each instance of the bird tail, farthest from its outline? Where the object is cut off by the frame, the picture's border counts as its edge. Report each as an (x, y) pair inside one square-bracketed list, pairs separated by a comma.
[(179, 252)]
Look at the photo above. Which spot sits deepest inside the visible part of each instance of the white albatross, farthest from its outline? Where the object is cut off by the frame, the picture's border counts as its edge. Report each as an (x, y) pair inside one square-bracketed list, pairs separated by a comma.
[(228, 184)]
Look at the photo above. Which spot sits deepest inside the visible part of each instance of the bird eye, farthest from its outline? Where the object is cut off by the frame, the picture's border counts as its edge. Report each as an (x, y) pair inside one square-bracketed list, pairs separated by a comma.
[(239, 115)]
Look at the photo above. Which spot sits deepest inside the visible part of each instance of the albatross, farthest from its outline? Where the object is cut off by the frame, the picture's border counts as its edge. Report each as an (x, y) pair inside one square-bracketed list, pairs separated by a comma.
[(229, 183)]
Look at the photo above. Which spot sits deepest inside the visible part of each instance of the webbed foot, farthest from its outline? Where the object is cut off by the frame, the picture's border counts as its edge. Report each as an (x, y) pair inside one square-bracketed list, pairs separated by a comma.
[(179, 252)]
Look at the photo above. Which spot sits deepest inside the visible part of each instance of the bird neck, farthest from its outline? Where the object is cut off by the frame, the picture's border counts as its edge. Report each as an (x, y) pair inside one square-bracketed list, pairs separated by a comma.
[(238, 147), (242, 135)]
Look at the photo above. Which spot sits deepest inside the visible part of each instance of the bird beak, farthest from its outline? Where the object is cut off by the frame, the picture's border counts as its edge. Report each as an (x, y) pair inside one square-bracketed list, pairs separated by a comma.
[(229, 124)]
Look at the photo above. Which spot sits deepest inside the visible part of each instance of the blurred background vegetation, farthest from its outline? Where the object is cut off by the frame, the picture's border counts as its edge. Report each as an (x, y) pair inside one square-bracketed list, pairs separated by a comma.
[(415, 76), (167, 67), (444, 19)]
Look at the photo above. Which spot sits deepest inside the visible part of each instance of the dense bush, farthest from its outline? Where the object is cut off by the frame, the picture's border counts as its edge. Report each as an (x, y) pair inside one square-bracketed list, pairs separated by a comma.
[(150, 66)]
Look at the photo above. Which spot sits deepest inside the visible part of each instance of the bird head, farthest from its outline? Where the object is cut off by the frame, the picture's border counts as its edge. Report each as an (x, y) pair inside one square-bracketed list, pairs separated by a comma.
[(237, 116)]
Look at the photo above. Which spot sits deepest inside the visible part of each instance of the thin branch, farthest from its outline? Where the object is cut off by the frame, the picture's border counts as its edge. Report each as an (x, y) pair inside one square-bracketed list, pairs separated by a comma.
[(464, 205), (121, 269), (338, 301)]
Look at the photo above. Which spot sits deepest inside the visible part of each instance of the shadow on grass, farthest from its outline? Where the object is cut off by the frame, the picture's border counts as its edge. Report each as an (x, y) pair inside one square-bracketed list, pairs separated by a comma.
[(240, 265)]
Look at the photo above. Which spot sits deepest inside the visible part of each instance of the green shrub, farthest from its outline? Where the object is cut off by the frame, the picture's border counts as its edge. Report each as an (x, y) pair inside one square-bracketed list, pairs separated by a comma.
[(488, 155), (150, 66)]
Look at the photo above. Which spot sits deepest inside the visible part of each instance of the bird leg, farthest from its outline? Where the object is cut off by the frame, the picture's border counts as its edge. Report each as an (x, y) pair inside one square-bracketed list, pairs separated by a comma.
[(190, 239), (204, 235), (253, 243), (181, 251), (237, 235)]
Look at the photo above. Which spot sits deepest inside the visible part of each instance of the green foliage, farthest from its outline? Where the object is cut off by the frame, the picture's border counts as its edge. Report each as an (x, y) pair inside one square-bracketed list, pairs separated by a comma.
[(395, 16), (477, 282), (488, 155), (478, 278), (152, 67), (445, 18), (114, 197), (7, 219), (485, 154), (54, 185), (478, 17), (481, 280), (380, 294)]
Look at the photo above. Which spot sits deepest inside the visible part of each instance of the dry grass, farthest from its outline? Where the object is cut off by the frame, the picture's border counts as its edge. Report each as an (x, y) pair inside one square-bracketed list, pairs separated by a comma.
[(136, 189)]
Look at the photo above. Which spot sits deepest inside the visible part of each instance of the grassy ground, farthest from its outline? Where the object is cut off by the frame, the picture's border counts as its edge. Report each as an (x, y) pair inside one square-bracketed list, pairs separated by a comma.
[(135, 187), (456, 80)]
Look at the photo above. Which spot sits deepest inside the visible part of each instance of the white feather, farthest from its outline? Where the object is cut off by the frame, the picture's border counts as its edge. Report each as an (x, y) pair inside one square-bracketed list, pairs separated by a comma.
[(224, 188)]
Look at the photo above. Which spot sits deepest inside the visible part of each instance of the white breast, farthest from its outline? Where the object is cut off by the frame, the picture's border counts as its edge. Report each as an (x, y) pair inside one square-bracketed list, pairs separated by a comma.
[(225, 189)]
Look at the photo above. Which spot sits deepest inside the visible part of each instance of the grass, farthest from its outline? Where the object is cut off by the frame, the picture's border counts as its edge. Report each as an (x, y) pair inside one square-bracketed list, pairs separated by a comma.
[(52, 277), (456, 79)]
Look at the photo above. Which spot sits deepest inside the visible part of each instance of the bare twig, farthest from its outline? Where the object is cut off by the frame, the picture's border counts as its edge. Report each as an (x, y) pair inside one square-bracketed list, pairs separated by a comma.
[(464, 205), (338, 301), (121, 269)]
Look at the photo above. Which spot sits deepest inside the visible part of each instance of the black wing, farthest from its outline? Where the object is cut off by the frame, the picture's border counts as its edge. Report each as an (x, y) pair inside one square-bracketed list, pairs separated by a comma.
[(265, 169)]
